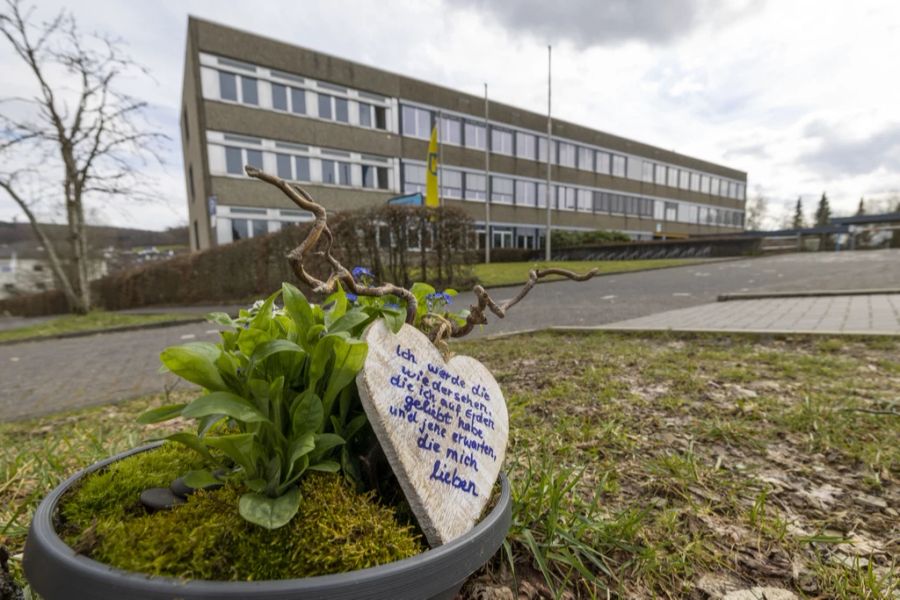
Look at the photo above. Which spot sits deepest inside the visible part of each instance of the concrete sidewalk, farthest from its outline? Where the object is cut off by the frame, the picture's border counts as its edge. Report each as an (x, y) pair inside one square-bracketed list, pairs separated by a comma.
[(875, 314)]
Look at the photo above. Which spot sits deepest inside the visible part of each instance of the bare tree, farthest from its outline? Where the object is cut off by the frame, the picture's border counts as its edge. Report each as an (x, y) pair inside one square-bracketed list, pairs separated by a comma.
[(756, 211), (77, 137)]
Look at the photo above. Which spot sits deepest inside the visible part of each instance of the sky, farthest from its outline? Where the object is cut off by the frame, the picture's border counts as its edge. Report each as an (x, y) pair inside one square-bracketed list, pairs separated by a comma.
[(802, 95)]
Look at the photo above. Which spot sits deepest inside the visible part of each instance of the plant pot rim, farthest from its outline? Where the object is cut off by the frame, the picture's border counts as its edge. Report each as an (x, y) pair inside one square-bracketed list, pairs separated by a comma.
[(56, 571)]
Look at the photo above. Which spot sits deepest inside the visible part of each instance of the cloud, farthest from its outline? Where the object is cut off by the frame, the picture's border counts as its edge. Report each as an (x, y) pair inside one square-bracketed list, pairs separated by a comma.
[(841, 154), (610, 22)]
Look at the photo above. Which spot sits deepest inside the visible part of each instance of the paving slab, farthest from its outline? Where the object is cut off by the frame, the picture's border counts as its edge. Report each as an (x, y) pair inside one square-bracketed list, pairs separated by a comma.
[(874, 314)]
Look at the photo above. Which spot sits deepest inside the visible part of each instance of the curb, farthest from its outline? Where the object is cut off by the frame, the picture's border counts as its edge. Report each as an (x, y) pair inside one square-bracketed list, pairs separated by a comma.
[(813, 332), (804, 294), (559, 278), (87, 332)]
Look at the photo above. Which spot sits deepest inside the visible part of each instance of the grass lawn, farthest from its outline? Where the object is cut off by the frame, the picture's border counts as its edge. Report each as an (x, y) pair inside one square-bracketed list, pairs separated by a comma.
[(495, 274), (89, 322), (643, 466)]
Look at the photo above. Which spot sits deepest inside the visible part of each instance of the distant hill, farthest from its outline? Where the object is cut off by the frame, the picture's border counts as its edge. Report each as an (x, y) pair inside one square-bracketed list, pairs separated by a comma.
[(99, 236)]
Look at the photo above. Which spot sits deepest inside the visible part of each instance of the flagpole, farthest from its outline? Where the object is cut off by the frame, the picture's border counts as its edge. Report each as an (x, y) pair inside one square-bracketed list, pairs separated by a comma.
[(547, 252), (487, 181)]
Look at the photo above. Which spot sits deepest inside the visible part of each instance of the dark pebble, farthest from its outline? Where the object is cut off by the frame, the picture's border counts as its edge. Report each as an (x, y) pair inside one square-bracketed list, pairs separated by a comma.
[(155, 499)]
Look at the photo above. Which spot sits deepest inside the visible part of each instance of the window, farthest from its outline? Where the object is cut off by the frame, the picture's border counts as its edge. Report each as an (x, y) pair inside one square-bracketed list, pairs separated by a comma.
[(704, 184), (365, 114), (501, 141), (715, 186), (601, 202), (283, 164), (227, 86), (451, 183), (695, 182), (565, 154), (584, 200), (191, 180), (259, 227), (671, 209), (565, 198), (525, 145), (740, 191), (255, 159), (374, 177), (602, 163), (542, 195), (542, 149), (501, 190), (475, 187), (451, 131), (336, 172), (380, 117), (647, 172), (233, 161), (416, 122), (673, 177), (341, 110), (249, 90), (413, 179), (618, 165), (684, 178), (325, 106), (302, 164), (585, 159), (279, 97), (659, 176), (475, 136), (298, 101), (526, 193), (240, 229)]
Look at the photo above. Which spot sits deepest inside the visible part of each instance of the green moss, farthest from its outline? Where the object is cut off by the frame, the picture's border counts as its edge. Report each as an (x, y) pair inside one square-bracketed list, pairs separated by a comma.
[(336, 529)]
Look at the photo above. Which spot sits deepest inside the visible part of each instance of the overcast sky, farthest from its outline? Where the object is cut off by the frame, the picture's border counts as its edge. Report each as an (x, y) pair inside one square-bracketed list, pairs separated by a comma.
[(803, 95)]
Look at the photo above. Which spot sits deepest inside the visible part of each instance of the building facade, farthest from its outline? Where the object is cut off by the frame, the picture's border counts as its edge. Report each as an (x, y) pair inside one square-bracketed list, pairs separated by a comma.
[(356, 136)]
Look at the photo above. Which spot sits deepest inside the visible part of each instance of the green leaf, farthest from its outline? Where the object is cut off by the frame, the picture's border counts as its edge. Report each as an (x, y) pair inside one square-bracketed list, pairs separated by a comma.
[(220, 318), (325, 442), (394, 317), (298, 308), (249, 339), (300, 447), (200, 479), (338, 301), (327, 466), (355, 424), (238, 447), (195, 362), (162, 413), (270, 513), (264, 314), (318, 363), (308, 415), (207, 423), (191, 441), (349, 357), (264, 351), (349, 321), (224, 403)]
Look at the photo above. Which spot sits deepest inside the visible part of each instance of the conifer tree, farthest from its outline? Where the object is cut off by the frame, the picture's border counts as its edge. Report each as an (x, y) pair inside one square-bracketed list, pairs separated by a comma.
[(798, 215)]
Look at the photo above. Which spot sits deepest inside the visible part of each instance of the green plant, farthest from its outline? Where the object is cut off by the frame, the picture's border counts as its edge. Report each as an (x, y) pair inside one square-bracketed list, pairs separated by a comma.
[(279, 394)]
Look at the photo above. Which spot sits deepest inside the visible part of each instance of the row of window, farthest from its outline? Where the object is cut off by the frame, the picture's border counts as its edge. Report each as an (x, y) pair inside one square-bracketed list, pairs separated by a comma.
[(470, 133), (456, 184), (332, 168), (294, 98)]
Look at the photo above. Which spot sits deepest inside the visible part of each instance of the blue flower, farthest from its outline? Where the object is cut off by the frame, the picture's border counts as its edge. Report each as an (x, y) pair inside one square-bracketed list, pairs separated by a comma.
[(438, 300), (360, 272), (351, 297), (391, 305)]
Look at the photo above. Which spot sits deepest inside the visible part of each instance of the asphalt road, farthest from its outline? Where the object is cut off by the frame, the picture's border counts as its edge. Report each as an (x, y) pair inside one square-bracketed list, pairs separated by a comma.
[(46, 376)]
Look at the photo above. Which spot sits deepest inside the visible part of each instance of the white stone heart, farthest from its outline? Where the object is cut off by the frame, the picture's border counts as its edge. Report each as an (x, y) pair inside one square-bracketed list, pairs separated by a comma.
[(443, 426)]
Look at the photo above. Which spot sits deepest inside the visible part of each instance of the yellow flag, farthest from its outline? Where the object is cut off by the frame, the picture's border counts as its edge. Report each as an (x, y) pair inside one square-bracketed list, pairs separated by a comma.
[(431, 177)]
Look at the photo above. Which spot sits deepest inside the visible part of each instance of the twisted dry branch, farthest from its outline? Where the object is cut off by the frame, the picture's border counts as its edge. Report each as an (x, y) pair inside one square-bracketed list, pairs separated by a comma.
[(441, 328)]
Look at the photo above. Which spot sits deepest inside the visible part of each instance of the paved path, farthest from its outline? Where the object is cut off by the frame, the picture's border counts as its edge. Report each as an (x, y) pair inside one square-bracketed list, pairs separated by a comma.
[(45, 376), (873, 314)]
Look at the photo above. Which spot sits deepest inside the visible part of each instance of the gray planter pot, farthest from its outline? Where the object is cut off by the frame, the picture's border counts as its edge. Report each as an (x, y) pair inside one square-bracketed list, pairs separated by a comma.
[(56, 572)]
